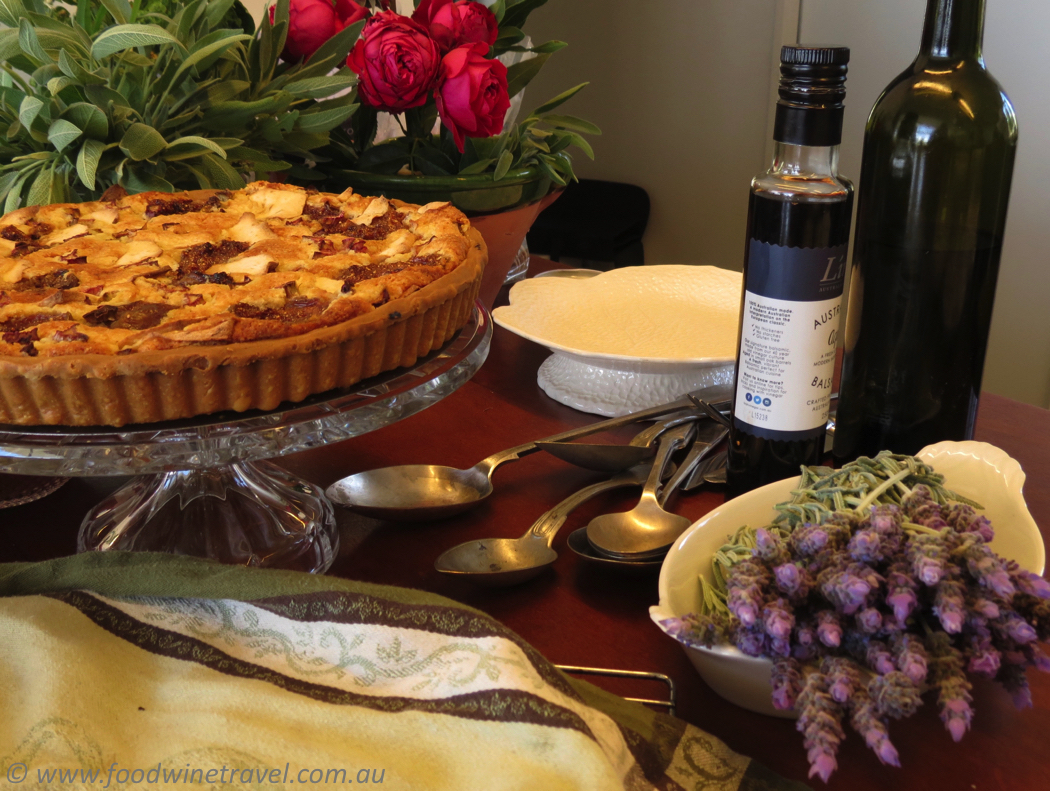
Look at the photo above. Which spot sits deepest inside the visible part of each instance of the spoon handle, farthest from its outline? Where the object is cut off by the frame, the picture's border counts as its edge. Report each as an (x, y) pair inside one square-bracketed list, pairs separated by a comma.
[(548, 525), (670, 441), (488, 465), (706, 440)]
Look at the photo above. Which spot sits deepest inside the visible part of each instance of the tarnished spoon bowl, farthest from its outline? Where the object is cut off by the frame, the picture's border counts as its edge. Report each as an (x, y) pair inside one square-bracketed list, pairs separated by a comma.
[(498, 561), (412, 492), (508, 561)]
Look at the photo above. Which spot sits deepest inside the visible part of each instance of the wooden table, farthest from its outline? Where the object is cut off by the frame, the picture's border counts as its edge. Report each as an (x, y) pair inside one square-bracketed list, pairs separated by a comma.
[(578, 615)]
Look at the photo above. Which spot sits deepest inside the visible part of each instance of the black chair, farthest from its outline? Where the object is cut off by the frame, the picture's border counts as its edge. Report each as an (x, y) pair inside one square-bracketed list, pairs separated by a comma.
[(600, 223)]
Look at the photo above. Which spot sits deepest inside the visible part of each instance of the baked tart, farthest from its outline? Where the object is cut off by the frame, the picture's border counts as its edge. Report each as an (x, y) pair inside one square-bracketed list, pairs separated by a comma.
[(157, 306)]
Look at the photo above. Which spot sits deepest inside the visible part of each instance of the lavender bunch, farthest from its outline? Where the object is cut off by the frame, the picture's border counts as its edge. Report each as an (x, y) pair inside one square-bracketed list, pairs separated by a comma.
[(873, 582)]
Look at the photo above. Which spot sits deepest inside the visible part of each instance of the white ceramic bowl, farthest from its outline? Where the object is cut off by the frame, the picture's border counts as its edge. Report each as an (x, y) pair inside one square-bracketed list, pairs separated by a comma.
[(976, 470), (630, 338)]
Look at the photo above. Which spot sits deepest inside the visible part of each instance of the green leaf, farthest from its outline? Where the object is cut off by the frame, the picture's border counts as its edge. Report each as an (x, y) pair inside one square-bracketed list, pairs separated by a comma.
[(575, 140), (221, 173), (9, 46), (558, 100), (520, 74), (572, 123), (41, 188), (89, 119), (338, 46), (257, 159), (61, 133), (136, 179), (549, 48), (226, 90), (120, 10), (142, 142), (11, 11), (505, 160), (478, 167), (518, 12), (29, 110), (30, 44), (122, 37), (229, 116), (87, 161), (322, 120), (385, 158), (204, 51), (216, 10), (102, 96), (14, 196), (71, 68), (193, 143), (320, 87), (56, 85)]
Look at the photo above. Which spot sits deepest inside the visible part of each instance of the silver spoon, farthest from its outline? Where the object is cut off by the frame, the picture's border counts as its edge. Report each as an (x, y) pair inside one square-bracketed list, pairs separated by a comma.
[(508, 561), (578, 543), (414, 492), (613, 458), (647, 528)]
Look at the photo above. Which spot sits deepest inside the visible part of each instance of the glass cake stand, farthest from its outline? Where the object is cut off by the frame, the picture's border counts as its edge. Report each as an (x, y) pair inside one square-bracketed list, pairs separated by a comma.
[(202, 486)]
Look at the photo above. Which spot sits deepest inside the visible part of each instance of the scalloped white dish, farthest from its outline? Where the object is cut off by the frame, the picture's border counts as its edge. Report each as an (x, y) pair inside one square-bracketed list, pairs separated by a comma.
[(629, 338), (976, 470)]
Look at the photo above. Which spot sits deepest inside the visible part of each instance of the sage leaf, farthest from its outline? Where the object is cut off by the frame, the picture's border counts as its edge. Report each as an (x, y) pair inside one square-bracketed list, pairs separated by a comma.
[(61, 133), (122, 37), (572, 123), (520, 74), (558, 100), (139, 180), (87, 162), (503, 165), (142, 142), (324, 120), (30, 44), (40, 190), (120, 10), (221, 174), (318, 87), (89, 119), (29, 110)]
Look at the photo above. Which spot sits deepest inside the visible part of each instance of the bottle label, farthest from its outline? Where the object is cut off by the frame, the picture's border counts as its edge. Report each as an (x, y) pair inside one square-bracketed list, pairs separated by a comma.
[(788, 337)]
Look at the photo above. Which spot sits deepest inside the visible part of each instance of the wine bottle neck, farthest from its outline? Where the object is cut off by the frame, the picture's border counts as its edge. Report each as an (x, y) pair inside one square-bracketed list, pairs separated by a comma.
[(954, 29), (805, 162)]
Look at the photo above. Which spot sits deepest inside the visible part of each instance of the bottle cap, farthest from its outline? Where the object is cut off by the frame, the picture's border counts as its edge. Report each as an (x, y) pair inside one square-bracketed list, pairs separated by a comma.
[(812, 91)]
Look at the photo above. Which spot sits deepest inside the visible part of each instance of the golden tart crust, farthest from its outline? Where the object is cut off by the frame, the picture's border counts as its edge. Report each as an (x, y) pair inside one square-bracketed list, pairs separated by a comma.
[(155, 306)]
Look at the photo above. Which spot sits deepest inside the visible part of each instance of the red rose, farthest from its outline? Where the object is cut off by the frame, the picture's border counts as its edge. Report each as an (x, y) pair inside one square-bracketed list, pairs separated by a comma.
[(471, 93), (312, 22), (347, 12), (455, 23), (396, 62), (476, 24)]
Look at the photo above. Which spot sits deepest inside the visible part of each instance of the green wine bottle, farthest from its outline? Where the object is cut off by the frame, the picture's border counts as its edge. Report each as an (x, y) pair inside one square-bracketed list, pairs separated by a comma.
[(935, 178)]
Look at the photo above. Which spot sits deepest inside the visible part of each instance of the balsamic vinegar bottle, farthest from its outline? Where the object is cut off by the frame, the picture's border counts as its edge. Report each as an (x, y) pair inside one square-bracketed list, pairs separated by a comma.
[(938, 158), (794, 270)]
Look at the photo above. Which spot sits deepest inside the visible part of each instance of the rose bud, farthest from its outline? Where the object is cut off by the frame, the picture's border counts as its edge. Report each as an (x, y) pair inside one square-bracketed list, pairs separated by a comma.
[(396, 62), (471, 94)]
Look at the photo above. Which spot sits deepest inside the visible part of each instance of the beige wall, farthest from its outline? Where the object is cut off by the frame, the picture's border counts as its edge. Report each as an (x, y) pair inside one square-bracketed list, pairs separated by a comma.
[(680, 89), (884, 37)]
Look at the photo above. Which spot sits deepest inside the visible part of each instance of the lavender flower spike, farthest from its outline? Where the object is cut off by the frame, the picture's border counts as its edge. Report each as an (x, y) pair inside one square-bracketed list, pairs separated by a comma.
[(843, 678), (778, 619), (910, 655), (869, 620), (769, 547), (786, 681), (950, 605), (895, 695), (866, 721), (820, 722), (988, 568), (829, 630)]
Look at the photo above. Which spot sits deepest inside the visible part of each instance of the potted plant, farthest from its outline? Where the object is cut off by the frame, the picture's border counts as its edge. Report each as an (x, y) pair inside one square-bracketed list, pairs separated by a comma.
[(438, 91), (158, 95)]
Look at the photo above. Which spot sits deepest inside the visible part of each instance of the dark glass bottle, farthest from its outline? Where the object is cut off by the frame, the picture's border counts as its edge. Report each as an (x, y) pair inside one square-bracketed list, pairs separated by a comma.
[(794, 269), (938, 158)]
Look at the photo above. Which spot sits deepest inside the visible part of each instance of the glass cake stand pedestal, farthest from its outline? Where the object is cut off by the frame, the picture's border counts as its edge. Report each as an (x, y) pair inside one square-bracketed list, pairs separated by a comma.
[(202, 486)]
